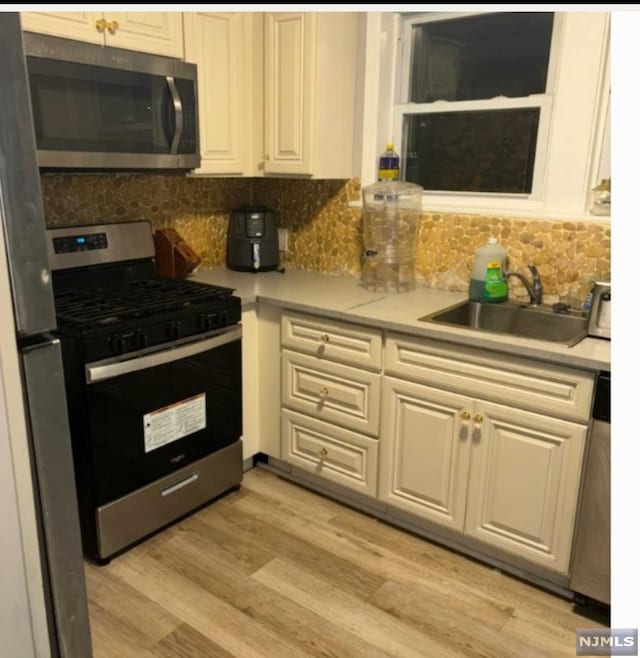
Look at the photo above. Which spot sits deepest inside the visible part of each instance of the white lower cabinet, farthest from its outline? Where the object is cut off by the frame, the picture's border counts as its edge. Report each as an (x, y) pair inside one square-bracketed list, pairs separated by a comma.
[(330, 410), (336, 454), (507, 477), (482, 449), (424, 451), (250, 384), (332, 392), (524, 482)]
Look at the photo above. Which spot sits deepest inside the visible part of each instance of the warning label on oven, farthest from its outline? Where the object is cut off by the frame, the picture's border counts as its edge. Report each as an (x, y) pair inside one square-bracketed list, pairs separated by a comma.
[(171, 423)]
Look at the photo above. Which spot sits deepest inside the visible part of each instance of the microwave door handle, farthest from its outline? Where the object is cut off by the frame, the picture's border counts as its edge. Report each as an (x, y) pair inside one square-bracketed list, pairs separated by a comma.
[(177, 112)]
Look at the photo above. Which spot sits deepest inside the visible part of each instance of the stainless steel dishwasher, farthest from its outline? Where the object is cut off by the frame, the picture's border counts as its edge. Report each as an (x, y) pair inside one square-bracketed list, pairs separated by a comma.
[(591, 566)]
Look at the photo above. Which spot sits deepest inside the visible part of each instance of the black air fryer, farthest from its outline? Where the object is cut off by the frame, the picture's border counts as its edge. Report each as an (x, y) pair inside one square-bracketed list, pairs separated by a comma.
[(252, 240)]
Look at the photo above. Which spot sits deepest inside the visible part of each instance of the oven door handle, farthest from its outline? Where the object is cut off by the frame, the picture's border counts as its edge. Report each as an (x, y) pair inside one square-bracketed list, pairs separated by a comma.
[(97, 373)]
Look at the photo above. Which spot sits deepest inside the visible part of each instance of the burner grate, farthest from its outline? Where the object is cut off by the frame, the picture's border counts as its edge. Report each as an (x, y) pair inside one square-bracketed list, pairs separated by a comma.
[(109, 305)]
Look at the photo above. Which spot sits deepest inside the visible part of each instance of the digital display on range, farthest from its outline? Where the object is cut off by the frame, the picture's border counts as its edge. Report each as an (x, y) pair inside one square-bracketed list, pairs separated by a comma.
[(73, 243)]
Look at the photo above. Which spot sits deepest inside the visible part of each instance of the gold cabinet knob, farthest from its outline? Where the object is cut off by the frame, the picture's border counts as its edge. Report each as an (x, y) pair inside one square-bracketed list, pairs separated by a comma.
[(113, 26), (101, 25), (478, 418), (322, 453), (324, 391), (266, 156), (465, 415), (325, 338)]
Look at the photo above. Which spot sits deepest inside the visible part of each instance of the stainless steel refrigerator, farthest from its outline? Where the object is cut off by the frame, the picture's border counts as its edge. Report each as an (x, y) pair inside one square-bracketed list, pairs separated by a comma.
[(43, 604)]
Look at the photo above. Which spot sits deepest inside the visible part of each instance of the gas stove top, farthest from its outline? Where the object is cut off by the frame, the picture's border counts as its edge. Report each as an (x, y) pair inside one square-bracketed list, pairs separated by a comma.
[(110, 301), (95, 307)]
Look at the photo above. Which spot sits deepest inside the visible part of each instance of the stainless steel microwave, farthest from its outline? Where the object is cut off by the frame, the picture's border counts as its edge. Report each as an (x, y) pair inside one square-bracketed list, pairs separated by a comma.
[(108, 108)]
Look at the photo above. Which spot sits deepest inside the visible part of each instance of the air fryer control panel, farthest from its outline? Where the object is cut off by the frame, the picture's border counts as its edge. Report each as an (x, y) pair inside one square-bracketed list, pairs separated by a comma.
[(255, 226)]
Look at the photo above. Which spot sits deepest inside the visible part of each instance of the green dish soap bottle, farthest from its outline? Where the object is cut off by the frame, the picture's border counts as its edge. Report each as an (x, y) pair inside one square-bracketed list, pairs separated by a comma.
[(488, 283)]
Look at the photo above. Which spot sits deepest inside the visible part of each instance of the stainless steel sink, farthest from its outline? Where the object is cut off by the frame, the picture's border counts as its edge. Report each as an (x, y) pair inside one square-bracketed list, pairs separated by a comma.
[(538, 322)]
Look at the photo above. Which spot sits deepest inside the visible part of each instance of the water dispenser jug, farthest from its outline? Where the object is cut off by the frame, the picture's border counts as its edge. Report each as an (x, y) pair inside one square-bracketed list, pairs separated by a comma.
[(391, 216)]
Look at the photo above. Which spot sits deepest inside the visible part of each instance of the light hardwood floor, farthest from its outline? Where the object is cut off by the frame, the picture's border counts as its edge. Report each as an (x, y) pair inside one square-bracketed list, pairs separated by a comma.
[(276, 570)]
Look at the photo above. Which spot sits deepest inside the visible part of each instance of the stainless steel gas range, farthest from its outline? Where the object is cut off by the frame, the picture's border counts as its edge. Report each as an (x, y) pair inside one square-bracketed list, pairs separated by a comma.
[(153, 380)]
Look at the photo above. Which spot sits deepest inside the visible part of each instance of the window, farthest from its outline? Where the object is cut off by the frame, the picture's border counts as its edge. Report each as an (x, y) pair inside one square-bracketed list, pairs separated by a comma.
[(497, 113), (476, 89)]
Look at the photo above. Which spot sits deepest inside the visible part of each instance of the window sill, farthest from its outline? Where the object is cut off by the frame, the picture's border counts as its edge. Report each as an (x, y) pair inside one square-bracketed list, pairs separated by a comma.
[(534, 213)]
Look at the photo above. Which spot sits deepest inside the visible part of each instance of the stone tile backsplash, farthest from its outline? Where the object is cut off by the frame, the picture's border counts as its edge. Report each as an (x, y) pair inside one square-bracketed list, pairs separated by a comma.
[(325, 234), (196, 207)]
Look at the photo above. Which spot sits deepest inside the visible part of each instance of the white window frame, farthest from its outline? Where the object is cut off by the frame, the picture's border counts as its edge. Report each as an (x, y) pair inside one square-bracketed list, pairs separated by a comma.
[(572, 119), (543, 102)]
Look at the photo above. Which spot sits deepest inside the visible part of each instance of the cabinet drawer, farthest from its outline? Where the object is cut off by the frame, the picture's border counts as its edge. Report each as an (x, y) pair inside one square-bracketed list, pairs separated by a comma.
[(517, 382), (333, 340), (331, 452), (330, 391)]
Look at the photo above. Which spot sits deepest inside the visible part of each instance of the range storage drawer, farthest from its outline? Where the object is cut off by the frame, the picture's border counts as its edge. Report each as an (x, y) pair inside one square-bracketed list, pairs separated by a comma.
[(332, 392), (333, 340), (521, 383), (339, 455)]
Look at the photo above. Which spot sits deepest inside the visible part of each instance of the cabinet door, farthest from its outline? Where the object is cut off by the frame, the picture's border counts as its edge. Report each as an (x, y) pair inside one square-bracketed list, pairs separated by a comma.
[(221, 46), (157, 32), (79, 25), (289, 87), (523, 486), (424, 451)]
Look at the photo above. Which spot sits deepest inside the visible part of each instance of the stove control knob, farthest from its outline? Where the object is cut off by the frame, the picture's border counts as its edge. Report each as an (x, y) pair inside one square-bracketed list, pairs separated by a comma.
[(209, 321), (117, 344), (141, 340), (175, 329)]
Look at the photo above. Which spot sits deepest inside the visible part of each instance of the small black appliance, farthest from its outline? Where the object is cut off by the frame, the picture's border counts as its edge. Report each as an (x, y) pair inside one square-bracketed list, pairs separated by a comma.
[(252, 240)]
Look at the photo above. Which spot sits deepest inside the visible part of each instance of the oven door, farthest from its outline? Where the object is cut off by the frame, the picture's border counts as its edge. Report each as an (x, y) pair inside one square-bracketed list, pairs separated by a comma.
[(152, 414)]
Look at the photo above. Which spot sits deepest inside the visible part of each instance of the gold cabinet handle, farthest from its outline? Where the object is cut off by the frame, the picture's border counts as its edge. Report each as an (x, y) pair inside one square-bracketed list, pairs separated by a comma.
[(113, 26), (478, 418), (101, 25), (325, 338), (266, 156), (322, 453), (324, 391), (465, 415)]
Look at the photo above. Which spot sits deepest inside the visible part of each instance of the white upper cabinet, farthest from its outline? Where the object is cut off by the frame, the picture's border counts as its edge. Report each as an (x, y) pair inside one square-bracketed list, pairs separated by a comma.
[(148, 31), (309, 93), (79, 25), (289, 92), (276, 91), (157, 32), (221, 45)]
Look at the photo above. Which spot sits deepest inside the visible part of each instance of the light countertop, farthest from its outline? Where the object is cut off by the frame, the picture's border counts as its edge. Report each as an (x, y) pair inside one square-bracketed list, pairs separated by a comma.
[(344, 298)]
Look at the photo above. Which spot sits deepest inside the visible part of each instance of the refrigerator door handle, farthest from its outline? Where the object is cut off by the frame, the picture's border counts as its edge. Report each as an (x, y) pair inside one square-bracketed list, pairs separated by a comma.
[(49, 425)]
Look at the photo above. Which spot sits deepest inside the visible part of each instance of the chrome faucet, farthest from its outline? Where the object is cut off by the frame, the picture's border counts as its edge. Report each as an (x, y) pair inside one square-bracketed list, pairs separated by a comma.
[(534, 287)]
